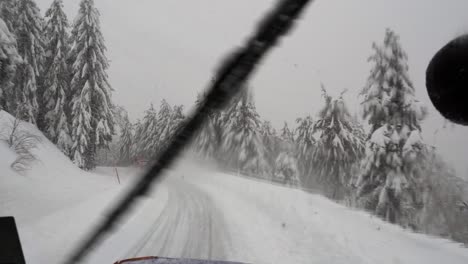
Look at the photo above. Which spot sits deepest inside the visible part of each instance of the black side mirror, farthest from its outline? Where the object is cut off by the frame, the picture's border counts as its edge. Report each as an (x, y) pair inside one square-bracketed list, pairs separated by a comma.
[(11, 251), (447, 80)]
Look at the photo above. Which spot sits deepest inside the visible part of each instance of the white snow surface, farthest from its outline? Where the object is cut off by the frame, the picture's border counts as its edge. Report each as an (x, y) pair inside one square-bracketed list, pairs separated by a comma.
[(196, 212)]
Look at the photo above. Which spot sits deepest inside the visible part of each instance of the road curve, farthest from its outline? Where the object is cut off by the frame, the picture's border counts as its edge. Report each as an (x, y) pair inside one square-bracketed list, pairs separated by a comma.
[(190, 226)]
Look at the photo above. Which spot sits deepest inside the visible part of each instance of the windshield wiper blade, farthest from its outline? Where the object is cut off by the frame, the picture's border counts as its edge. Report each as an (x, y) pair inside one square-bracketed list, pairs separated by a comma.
[(230, 79)]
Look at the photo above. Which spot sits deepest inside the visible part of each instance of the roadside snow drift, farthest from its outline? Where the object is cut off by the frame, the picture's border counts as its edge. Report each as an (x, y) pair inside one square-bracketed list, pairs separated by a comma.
[(55, 203), (196, 212)]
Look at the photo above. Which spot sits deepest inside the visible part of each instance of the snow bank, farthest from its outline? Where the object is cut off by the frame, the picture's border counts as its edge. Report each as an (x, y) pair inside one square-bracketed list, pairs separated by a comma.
[(272, 224), (52, 180), (55, 203)]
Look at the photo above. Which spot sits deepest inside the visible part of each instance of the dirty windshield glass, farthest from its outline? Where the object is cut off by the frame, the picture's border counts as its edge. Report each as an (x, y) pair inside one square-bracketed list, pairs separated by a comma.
[(347, 143)]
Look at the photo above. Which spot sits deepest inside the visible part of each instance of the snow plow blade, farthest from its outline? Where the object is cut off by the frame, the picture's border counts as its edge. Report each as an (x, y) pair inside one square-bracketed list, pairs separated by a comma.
[(158, 260)]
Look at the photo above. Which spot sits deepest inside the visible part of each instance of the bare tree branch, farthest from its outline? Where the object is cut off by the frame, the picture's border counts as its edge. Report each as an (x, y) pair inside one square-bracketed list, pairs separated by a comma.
[(21, 142)]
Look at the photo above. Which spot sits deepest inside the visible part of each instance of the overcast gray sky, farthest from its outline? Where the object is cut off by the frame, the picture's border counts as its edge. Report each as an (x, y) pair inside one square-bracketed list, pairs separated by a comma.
[(170, 48)]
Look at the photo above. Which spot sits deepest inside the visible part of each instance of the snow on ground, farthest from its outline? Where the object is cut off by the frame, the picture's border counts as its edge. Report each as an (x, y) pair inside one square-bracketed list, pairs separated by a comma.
[(55, 203), (291, 226), (196, 212)]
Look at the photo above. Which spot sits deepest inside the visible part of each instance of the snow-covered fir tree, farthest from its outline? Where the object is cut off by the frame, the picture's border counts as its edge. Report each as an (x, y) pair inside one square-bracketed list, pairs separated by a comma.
[(126, 142), (208, 139), (267, 131), (286, 134), (283, 160), (63, 139), (120, 116), (355, 171), (92, 119), (162, 130), (285, 165), (391, 176), (270, 141), (9, 13), (174, 123), (286, 168), (305, 144), (358, 129), (337, 147), (242, 142), (9, 60), (57, 77), (156, 129), (29, 35), (110, 156), (177, 119), (137, 138), (145, 132)]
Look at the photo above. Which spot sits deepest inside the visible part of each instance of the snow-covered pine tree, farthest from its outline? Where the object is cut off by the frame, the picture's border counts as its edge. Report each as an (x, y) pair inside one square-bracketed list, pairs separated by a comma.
[(286, 168), (286, 134), (177, 119), (120, 115), (92, 118), (57, 78), (63, 136), (110, 156), (285, 165), (9, 60), (305, 144), (208, 139), (360, 133), (390, 181), (267, 129), (126, 142), (242, 142), (161, 133), (270, 141), (358, 129), (145, 132), (337, 147), (29, 36), (137, 138), (9, 13)]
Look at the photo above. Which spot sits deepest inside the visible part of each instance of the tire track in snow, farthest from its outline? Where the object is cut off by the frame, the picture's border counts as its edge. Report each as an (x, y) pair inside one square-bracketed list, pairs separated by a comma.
[(189, 226)]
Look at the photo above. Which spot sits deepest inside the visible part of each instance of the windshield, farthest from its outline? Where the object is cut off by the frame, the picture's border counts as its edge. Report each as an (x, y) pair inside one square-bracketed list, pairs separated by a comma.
[(334, 151)]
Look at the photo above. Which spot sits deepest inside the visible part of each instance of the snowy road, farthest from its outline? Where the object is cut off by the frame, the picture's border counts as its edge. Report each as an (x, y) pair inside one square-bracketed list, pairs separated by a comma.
[(198, 213), (212, 215), (189, 226)]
